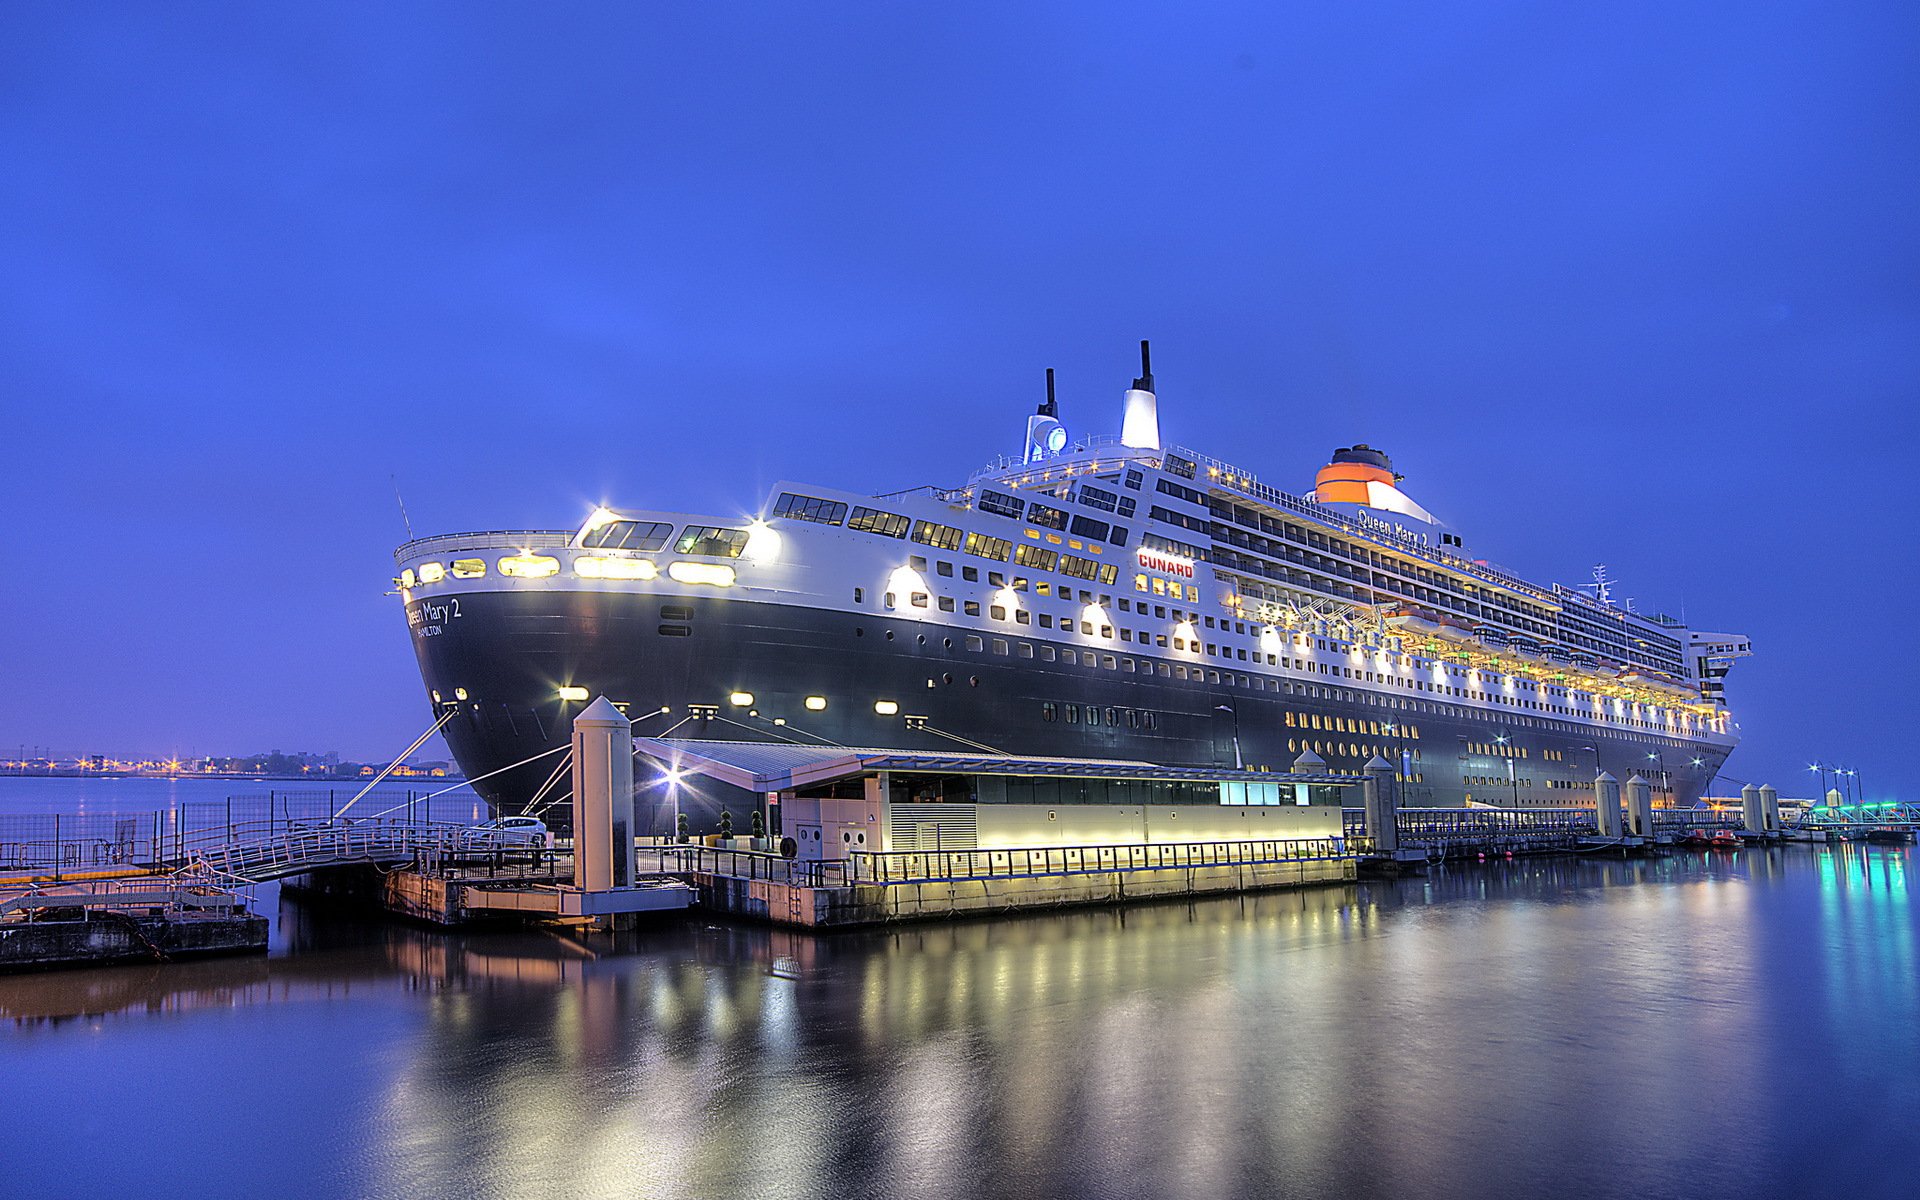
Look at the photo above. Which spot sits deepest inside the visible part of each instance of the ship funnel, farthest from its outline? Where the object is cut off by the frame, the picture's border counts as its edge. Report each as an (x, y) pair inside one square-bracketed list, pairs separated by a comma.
[(1140, 423)]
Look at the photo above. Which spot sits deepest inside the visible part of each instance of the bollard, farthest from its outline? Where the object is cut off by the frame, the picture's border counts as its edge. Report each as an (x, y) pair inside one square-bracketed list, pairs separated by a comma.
[(1752, 814), (1640, 807), (1770, 807), (1606, 804), (1381, 801), (602, 798)]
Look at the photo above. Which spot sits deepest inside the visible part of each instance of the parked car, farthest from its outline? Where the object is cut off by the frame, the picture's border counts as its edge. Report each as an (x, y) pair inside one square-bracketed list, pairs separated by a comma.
[(516, 831)]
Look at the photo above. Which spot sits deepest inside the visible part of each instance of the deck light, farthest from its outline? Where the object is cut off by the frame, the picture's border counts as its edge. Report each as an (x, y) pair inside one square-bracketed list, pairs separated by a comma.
[(816, 703), (740, 699), (573, 693), (763, 542), (459, 693), (885, 708)]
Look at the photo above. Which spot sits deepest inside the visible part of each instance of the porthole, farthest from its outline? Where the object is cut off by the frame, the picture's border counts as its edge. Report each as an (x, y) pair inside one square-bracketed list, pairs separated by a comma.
[(921, 639), (889, 635), (973, 681), (946, 677), (947, 642)]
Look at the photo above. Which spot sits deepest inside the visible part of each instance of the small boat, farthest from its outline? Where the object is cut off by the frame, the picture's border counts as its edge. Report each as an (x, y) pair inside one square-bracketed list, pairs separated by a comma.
[(1890, 837), (1725, 839), (1696, 837)]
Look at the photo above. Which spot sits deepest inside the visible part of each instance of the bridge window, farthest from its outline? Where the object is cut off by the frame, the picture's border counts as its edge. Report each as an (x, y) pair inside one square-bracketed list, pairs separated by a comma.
[(711, 541), (810, 508), (628, 535), (469, 568)]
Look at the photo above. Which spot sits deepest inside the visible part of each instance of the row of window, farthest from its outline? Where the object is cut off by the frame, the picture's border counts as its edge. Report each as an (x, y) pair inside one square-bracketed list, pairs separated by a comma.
[(1091, 714)]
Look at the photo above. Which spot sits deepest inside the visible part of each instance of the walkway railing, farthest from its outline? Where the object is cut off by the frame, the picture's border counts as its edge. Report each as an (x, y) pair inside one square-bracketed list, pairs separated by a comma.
[(913, 866), (941, 866), (196, 888)]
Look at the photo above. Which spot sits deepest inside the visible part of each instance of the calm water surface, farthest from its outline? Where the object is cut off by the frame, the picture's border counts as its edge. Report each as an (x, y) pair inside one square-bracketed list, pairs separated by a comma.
[(1726, 1025)]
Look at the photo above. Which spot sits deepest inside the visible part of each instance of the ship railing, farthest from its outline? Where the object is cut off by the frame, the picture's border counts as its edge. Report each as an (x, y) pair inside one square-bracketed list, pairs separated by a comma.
[(955, 496), (940, 866), (491, 539)]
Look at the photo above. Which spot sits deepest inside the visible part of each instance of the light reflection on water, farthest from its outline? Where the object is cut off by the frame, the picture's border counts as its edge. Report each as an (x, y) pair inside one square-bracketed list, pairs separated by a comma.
[(1690, 1026)]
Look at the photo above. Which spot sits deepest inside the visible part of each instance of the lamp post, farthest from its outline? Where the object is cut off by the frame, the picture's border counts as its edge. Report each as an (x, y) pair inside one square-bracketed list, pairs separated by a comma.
[(1660, 763), (1236, 733)]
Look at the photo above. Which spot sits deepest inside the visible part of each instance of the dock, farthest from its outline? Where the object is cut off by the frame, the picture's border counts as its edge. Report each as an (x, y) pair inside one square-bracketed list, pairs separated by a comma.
[(851, 839)]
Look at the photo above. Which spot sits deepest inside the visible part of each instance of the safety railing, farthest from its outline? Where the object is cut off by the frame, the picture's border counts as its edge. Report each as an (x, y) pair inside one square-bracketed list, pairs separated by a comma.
[(490, 539), (747, 864), (194, 889), (911, 866)]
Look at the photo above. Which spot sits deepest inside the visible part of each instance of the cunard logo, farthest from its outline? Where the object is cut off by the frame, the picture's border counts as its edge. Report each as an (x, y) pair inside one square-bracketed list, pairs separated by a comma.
[(1166, 564)]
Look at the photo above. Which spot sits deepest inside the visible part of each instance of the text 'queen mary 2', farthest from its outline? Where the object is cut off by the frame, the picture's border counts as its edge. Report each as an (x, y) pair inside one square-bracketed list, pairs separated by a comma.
[(1098, 597)]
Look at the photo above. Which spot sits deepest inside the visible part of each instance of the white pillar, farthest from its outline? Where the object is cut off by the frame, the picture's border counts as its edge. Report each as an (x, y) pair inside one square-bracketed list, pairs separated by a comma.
[(1308, 763), (1606, 800), (1770, 807), (1383, 824), (602, 798), (1640, 807), (1752, 816)]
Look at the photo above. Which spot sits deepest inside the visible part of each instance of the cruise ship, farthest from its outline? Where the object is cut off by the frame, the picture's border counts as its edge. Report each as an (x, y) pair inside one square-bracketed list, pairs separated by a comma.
[(1096, 597)]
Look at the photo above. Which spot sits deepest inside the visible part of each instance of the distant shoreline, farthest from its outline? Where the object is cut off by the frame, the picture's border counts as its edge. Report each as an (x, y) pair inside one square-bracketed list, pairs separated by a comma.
[(335, 780)]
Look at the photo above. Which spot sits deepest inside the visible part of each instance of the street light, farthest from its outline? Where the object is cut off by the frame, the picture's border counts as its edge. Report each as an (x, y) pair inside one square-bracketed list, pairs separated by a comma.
[(1236, 733)]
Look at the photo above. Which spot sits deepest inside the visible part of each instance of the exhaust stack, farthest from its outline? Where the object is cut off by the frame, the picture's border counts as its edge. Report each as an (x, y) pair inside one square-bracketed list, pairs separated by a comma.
[(1140, 423)]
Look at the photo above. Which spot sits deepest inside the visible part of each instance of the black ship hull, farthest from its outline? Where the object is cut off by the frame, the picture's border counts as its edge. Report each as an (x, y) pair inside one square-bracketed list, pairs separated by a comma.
[(510, 652)]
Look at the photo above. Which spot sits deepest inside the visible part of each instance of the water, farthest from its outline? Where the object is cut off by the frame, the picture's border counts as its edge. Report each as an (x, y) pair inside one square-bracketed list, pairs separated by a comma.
[(1711, 1025)]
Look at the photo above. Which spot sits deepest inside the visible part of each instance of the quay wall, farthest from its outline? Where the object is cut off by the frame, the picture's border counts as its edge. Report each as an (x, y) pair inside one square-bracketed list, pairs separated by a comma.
[(115, 938), (873, 904)]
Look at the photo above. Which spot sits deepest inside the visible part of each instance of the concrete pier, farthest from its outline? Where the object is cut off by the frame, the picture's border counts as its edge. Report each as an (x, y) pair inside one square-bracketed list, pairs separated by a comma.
[(874, 904)]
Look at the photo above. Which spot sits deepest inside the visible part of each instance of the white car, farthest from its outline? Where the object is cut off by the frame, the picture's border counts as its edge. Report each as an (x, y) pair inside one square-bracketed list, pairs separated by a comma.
[(515, 831)]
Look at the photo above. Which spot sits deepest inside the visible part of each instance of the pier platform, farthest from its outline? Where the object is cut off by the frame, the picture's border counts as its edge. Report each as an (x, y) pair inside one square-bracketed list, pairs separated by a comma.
[(137, 919)]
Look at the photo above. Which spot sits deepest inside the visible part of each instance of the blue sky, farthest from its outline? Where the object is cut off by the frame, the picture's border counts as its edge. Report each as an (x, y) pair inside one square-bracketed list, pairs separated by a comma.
[(1638, 285)]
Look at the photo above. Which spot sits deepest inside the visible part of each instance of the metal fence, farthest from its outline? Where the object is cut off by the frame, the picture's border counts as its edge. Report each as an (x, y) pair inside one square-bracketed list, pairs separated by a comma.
[(892, 867), (941, 866), (68, 843)]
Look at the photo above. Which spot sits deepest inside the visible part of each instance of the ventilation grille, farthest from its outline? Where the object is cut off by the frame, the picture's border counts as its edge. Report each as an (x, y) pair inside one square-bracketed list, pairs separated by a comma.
[(928, 827)]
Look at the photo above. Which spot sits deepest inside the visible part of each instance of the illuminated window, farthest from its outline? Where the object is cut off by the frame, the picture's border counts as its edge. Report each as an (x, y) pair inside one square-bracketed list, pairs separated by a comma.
[(594, 567), (469, 568), (1037, 557), (712, 542), (940, 537), (628, 535), (432, 572), (810, 508), (989, 547)]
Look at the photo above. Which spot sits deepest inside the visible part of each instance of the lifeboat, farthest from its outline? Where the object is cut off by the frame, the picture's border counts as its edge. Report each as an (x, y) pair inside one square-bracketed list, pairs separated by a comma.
[(1725, 839)]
